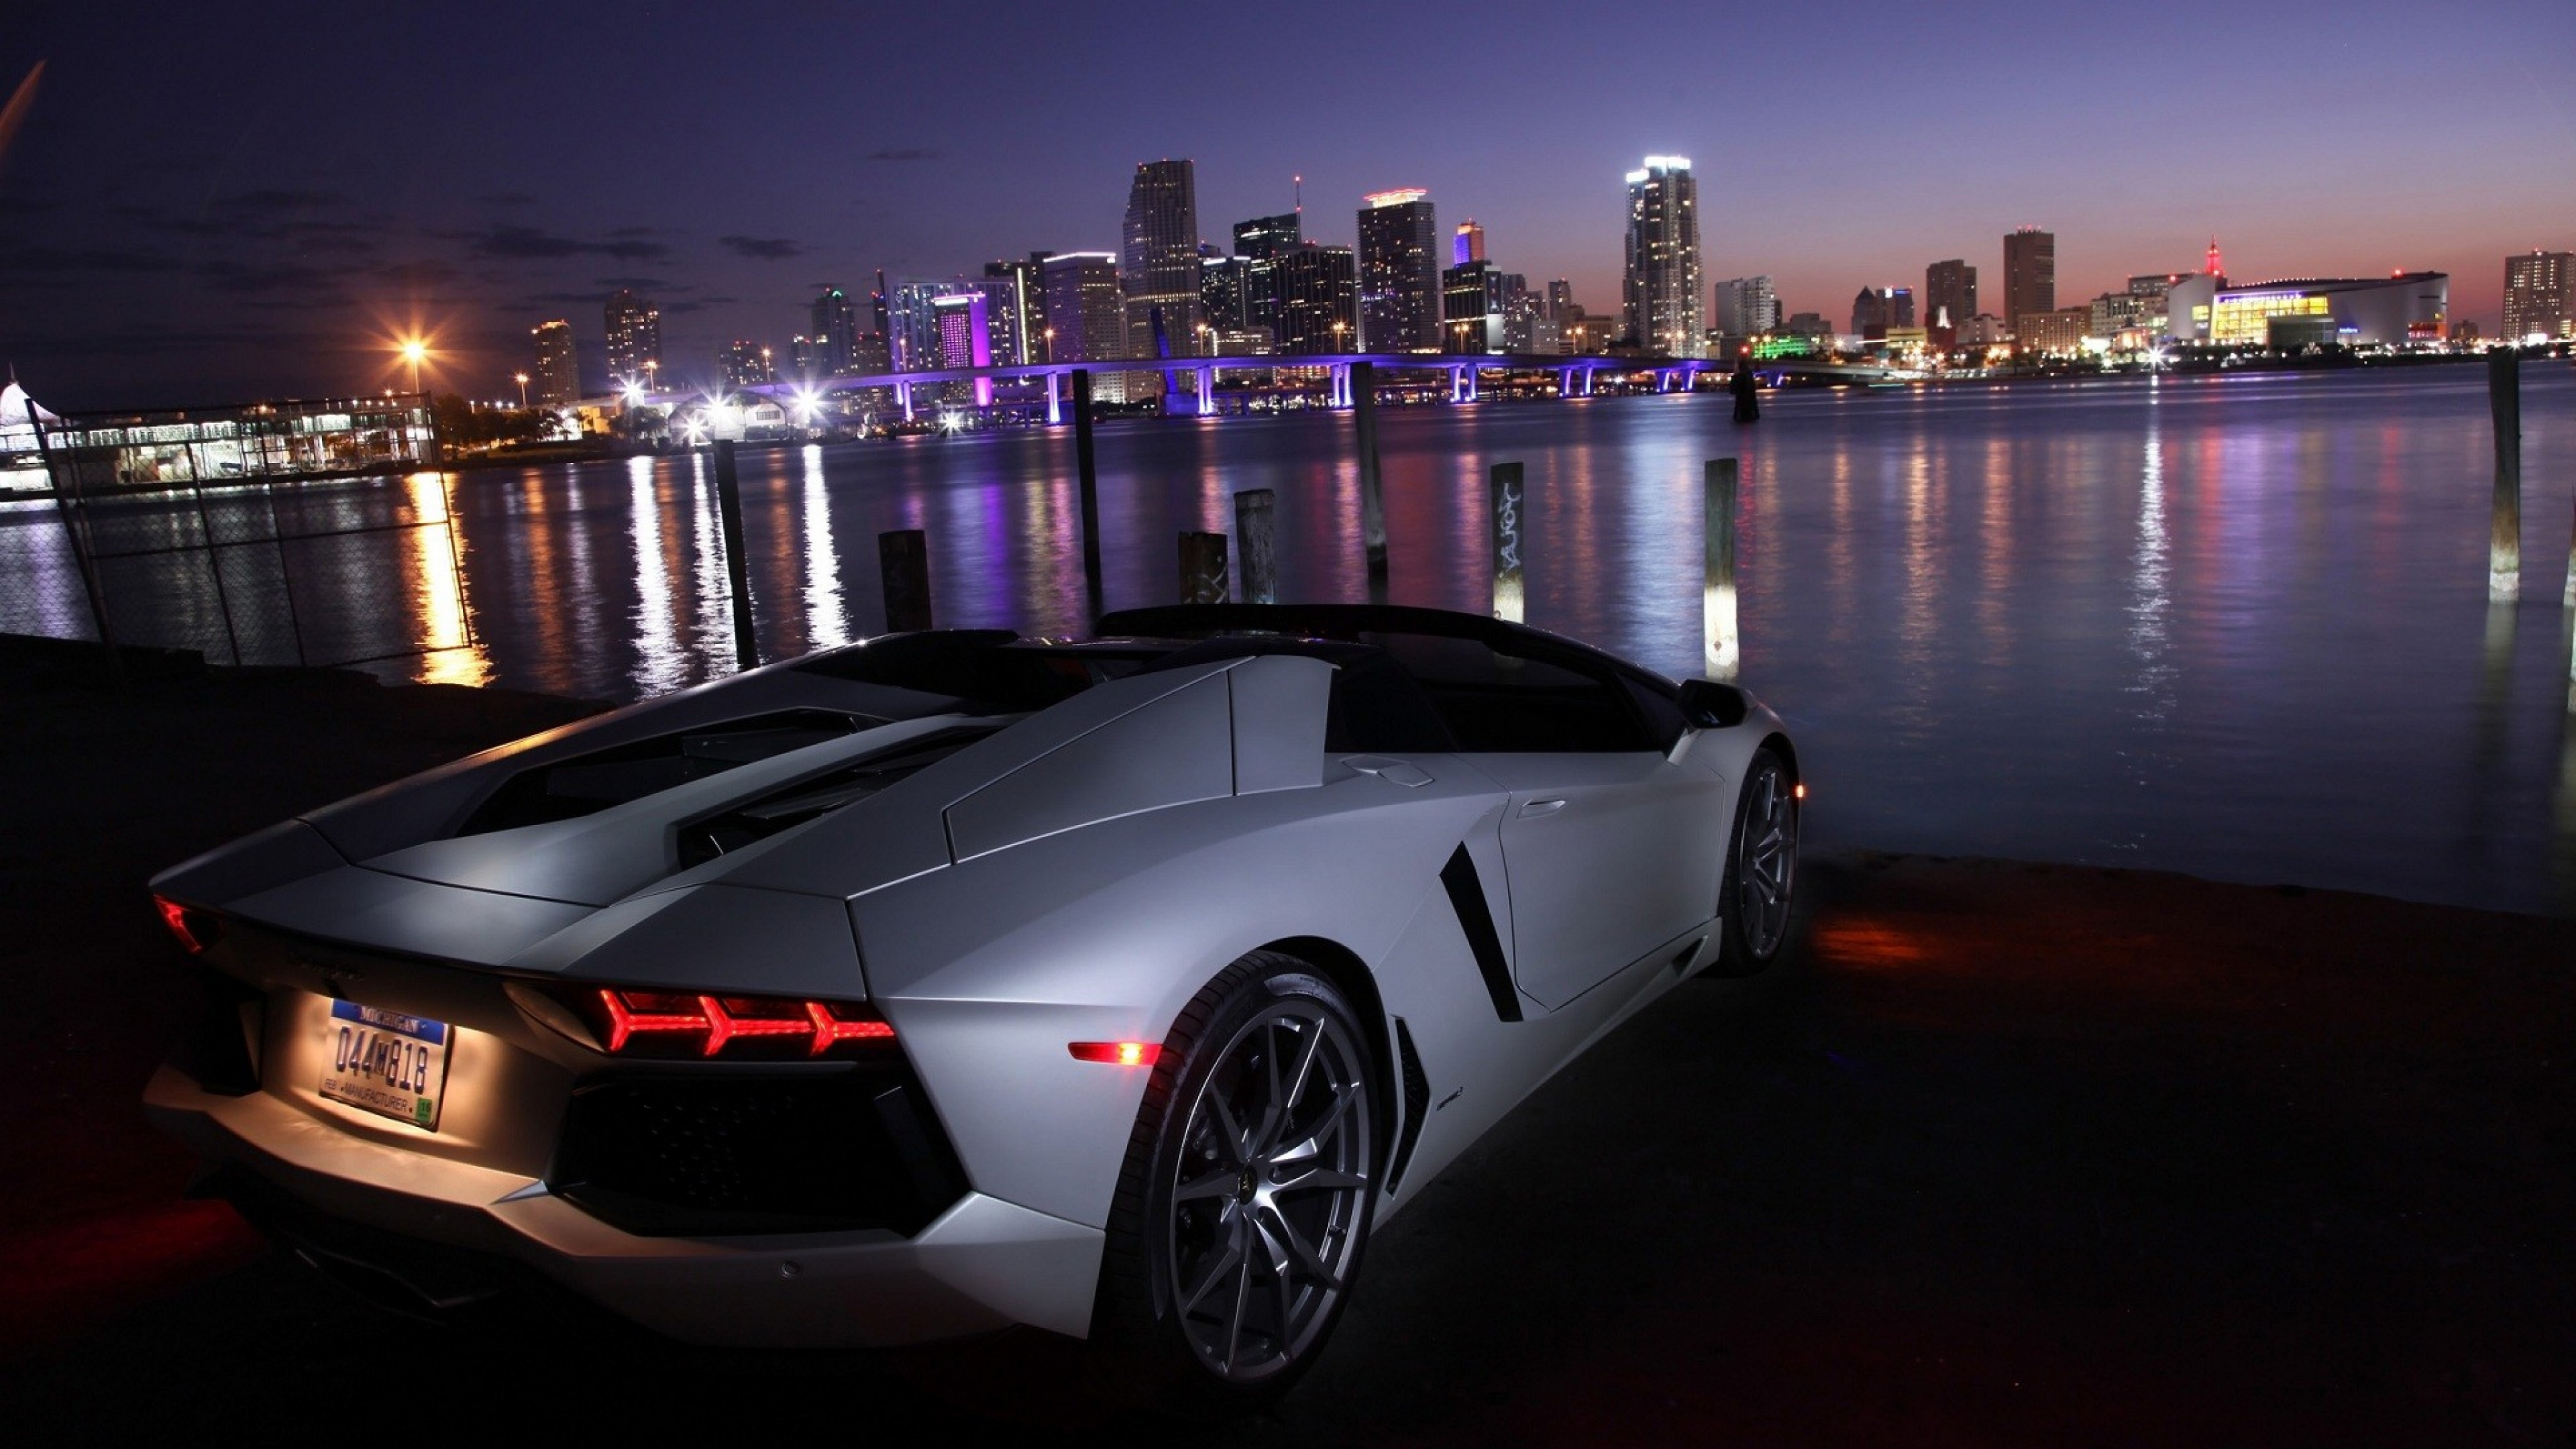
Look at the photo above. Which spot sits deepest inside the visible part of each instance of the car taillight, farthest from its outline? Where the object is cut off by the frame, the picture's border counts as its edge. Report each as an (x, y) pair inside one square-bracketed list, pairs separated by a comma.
[(670, 1024), (195, 929)]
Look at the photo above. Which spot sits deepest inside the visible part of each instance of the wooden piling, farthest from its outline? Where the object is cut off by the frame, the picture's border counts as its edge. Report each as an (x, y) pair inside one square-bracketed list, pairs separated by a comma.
[(1503, 491), (2504, 400), (1256, 529), (746, 647), (2570, 600), (1203, 578), (1090, 479), (903, 563), (1717, 599), (1372, 495)]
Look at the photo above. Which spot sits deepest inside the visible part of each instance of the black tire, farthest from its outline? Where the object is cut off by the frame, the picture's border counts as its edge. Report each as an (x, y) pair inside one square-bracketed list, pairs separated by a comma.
[(1298, 1189), (1753, 906)]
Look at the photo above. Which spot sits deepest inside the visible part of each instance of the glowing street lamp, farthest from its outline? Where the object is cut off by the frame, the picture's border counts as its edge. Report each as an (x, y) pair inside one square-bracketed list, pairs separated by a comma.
[(652, 374), (521, 379), (415, 351), (1337, 335)]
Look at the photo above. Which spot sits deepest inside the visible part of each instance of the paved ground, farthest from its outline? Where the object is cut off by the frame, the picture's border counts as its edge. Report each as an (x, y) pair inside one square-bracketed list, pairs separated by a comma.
[(2004, 1155)]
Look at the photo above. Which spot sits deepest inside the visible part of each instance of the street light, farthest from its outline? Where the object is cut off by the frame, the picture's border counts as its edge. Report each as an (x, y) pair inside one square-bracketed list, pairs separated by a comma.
[(521, 379), (415, 351), (1337, 335)]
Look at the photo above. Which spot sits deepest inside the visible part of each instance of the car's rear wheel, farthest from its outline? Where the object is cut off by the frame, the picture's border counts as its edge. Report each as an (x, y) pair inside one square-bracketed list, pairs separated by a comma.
[(1245, 1198), (1761, 868)]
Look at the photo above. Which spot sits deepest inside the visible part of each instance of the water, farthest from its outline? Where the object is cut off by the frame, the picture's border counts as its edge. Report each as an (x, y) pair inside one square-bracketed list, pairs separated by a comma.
[(2233, 626)]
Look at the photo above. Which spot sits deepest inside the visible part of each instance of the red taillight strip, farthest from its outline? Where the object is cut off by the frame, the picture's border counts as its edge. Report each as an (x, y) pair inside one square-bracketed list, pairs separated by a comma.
[(721, 1027), (1116, 1053), (829, 1028)]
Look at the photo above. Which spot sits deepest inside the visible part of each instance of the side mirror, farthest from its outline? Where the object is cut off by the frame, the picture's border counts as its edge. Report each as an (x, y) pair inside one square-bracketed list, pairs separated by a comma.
[(1710, 705)]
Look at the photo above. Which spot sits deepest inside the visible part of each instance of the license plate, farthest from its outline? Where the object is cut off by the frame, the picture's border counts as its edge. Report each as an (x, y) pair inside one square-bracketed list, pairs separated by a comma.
[(387, 1062)]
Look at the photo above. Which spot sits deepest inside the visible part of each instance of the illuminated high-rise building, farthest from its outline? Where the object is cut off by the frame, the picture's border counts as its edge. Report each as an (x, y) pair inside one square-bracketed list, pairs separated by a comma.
[(1659, 293), (1869, 314), (1158, 261), (1260, 244), (1471, 308), (634, 338), (558, 371), (1468, 245), (1019, 315), (1900, 306), (2539, 295), (833, 342), (1399, 273), (1560, 299), (2030, 273), (1086, 318), (1949, 298), (744, 363), (1318, 300)]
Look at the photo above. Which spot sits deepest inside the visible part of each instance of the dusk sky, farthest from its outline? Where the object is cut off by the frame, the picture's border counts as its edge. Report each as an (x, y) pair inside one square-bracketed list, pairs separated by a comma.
[(204, 207)]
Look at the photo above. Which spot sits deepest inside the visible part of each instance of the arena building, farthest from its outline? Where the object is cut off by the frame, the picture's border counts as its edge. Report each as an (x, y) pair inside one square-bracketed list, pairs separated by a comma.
[(2354, 311)]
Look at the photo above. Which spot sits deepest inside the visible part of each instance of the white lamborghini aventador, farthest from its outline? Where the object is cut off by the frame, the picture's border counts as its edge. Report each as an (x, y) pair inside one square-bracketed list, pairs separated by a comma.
[(956, 980)]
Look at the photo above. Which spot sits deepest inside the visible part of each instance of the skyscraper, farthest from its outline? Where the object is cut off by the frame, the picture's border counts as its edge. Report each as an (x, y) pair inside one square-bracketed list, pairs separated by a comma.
[(743, 363), (1225, 292), (634, 338), (1019, 316), (1747, 307), (833, 344), (1659, 297), (1949, 298), (1399, 273), (1086, 315), (2030, 273), (1869, 313), (1471, 308), (1158, 261), (558, 380), (2539, 295), (1468, 245), (1318, 300), (1261, 244), (1900, 306)]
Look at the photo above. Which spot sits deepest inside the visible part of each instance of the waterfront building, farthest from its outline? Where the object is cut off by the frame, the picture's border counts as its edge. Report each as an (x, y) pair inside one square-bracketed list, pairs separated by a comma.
[(912, 325), (2539, 296), (634, 337), (2354, 311), (1471, 308), (2188, 301), (1560, 299), (1869, 314), (1019, 310), (833, 342), (2058, 332), (557, 381), (1468, 245), (2030, 273), (1747, 307), (1261, 243), (1985, 330), (962, 325), (1399, 273), (1949, 298), (1318, 300), (1900, 307), (1225, 292), (1086, 314), (744, 363), (805, 358), (1158, 260), (1526, 326), (2113, 313), (1660, 289)]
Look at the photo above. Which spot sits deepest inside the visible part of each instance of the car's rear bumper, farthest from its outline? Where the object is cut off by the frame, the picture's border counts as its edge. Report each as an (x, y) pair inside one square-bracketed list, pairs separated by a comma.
[(983, 1264)]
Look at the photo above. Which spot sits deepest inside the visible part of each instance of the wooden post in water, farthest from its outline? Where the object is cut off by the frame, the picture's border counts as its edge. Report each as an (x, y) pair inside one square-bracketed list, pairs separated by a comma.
[(746, 648), (1203, 568), (903, 565), (1717, 598), (2504, 399), (1090, 481), (2570, 600), (1256, 528), (1372, 495), (1504, 491)]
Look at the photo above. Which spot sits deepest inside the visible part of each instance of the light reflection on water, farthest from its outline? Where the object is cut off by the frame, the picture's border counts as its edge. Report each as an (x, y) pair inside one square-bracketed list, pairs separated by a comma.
[(2234, 626)]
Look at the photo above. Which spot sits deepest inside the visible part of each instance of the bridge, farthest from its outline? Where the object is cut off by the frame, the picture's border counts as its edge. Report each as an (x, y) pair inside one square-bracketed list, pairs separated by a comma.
[(1195, 377)]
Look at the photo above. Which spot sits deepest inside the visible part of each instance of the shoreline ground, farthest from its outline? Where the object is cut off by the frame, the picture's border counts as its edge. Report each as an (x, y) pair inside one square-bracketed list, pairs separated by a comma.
[(2004, 1153)]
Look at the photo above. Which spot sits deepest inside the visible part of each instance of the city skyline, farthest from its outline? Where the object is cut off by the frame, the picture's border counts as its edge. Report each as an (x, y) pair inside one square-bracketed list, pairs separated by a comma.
[(210, 246)]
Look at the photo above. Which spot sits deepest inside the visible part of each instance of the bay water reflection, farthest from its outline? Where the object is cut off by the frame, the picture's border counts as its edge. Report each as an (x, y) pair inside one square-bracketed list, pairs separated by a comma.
[(2235, 626)]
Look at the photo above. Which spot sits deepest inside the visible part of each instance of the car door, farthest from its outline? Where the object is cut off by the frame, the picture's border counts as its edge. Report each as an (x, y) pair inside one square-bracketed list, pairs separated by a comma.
[(1608, 843)]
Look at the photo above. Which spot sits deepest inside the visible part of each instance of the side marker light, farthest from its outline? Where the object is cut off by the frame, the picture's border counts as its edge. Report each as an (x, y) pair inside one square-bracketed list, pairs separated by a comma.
[(1117, 1053), (195, 929), (1798, 792)]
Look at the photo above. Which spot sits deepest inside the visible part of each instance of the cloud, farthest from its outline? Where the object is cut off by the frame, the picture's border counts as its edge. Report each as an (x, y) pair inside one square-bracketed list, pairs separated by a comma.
[(419, 275), (42, 260), (646, 284), (226, 276), (278, 199), (905, 153), (765, 248), (509, 198), (528, 243)]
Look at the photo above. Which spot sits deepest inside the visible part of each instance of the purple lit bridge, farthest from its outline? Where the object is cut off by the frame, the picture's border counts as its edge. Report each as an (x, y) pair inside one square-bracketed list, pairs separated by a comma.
[(1194, 379)]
